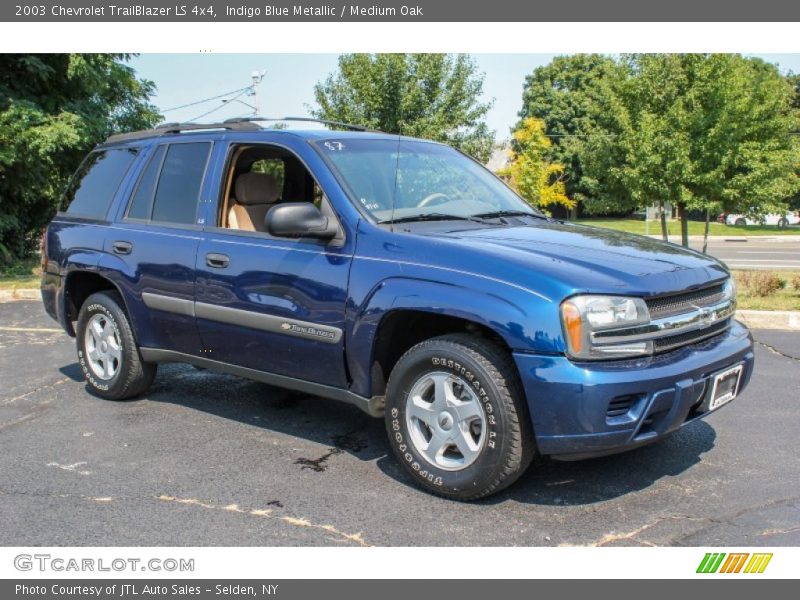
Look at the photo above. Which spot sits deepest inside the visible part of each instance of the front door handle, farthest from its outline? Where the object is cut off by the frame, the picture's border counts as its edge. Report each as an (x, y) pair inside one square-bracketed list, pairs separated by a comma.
[(217, 261), (122, 247)]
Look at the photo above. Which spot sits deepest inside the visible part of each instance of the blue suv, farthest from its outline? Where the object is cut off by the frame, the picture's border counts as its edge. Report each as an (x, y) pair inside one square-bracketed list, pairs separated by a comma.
[(394, 274)]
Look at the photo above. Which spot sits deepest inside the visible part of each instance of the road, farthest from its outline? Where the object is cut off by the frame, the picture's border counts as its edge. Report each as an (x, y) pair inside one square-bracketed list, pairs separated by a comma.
[(754, 252), (207, 459)]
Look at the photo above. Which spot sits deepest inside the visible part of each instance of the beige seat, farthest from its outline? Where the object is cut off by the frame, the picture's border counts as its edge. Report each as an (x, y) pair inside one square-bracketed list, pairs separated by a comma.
[(254, 193)]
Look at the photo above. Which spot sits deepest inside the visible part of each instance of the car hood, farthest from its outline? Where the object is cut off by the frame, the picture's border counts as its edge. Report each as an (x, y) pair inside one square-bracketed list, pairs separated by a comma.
[(594, 259)]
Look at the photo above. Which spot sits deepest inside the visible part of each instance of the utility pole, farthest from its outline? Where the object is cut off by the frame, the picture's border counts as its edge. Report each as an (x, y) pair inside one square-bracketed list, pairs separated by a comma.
[(257, 77)]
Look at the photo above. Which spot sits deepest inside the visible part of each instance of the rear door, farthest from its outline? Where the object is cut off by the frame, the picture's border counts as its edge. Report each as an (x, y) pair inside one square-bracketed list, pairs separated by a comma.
[(275, 304), (157, 237)]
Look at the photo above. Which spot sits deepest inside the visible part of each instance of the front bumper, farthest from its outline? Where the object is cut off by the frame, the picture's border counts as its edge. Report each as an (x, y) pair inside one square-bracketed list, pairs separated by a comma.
[(571, 402)]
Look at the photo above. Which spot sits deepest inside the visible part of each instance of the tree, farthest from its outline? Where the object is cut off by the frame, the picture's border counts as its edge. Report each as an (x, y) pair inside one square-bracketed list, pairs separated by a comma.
[(639, 146), (740, 116), (434, 96), (567, 94), (702, 131), (53, 109), (535, 178), (794, 81)]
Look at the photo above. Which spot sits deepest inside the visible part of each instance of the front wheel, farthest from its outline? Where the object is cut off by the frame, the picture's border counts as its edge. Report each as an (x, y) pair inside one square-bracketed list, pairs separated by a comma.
[(456, 417), (783, 223), (107, 351)]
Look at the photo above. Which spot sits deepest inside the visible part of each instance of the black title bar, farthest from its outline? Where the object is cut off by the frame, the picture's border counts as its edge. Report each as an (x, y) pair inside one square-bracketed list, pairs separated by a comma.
[(419, 11)]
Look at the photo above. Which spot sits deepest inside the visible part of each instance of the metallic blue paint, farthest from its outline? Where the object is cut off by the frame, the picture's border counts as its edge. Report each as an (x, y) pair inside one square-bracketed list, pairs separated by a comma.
[(510, 279), (568, 401)]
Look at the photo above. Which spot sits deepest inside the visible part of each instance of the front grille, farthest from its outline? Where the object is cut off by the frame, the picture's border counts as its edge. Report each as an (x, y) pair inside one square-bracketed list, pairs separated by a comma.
[(690, 337), (682, 303)]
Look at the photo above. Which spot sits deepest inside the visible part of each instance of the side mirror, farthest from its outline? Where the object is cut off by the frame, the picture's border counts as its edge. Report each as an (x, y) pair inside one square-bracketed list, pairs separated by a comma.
[(299, 219)]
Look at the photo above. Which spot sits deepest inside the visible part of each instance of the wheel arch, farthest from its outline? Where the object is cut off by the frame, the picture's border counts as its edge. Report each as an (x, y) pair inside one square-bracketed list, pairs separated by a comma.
[(79, 284), (403, 312)]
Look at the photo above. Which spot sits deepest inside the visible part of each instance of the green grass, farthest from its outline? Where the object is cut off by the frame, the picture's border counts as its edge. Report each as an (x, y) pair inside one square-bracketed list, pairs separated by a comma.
[(20, 274), (695, 228), (786, 298)]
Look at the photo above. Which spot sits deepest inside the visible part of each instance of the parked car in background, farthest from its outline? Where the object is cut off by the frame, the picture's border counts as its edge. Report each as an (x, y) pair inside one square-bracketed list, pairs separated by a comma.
[(781, 220)]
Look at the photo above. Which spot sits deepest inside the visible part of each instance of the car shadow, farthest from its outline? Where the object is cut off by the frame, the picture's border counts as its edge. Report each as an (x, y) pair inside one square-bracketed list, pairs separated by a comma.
[(561, 483), (341, 428), (73, 371), (337, 426), (549, 482)]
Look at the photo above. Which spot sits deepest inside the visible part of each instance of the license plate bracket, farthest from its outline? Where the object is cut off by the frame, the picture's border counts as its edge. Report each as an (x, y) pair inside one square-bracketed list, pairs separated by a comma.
[(724, 387)]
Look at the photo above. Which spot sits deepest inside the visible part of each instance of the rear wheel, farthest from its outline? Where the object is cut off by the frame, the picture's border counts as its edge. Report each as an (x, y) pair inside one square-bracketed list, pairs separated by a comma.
[(740, 222), (107, 351), (783, 223), (456, 417)]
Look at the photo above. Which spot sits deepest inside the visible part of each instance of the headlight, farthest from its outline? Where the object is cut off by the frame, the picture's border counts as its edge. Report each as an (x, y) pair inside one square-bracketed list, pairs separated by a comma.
[(729, 290), (582, 315)]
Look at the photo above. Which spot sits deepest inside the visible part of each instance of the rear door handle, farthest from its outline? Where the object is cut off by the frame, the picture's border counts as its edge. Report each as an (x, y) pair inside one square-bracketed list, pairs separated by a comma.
[(217, 261), (122, 247)]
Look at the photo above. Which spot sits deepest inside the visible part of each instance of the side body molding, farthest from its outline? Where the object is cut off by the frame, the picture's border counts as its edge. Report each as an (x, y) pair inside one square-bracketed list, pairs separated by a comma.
[(243, 318)]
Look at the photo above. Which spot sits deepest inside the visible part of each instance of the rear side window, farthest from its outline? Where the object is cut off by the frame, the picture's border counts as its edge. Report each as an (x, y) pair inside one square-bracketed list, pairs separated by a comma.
[(178, 189), (142, 201), (94, 184)]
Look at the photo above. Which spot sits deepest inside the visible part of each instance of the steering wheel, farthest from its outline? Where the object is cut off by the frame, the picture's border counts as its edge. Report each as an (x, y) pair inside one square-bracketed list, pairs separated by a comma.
[(434, 198)]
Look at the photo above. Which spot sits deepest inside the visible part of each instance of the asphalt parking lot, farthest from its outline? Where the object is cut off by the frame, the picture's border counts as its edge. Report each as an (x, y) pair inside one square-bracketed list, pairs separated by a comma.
[(206, 459)]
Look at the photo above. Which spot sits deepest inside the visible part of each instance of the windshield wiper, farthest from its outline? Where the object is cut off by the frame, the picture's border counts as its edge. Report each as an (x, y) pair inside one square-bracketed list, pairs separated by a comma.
[(433, 217), (509, 213)]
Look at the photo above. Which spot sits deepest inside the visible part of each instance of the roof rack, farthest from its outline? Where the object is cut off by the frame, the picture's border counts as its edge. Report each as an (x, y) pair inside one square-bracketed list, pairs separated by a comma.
[(172, 128), (341, 124), (237, 124)]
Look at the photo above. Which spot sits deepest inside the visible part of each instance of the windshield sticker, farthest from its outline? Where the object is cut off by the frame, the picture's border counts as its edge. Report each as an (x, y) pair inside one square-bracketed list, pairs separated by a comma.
[(369, 205), (334, 146)]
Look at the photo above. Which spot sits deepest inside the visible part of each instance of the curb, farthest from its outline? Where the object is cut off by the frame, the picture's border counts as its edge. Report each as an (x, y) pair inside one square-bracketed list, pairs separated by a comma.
[(788, 320), (20, 294), (733, 238)]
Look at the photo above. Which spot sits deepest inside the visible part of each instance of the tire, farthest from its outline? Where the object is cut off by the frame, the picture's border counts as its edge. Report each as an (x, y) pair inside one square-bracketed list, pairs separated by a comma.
[(107, 351), (740, 222), (783, 223), (485, 404)]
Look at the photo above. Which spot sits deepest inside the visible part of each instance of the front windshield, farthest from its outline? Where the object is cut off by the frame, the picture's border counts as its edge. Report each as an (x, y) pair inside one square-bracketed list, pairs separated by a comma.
[(402, 180)]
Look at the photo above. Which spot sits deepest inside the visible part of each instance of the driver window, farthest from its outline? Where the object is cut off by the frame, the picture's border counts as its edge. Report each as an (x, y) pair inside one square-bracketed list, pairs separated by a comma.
[(260, 177)]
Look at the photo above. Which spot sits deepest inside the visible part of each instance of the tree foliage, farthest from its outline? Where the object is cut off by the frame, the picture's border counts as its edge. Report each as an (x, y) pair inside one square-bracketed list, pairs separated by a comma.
[(567, 94), (531, 173), (53, 109), (703, 131), (794, 81), (434, 96)]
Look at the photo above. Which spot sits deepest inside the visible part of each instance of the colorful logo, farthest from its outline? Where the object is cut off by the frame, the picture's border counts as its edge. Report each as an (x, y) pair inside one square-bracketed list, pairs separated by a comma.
[(735, 562)]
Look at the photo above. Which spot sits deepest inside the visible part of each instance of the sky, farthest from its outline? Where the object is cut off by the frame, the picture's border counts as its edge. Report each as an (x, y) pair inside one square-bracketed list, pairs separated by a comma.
[(288, 84)]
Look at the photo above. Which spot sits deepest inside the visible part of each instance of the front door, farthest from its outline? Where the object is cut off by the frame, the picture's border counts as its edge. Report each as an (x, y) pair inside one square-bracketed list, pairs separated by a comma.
[(272, 304)]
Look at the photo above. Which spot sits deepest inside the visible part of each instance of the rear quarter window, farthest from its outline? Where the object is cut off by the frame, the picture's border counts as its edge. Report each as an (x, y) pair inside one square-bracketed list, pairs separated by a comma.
[(142, 201), (94, 184), (178, 189)]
